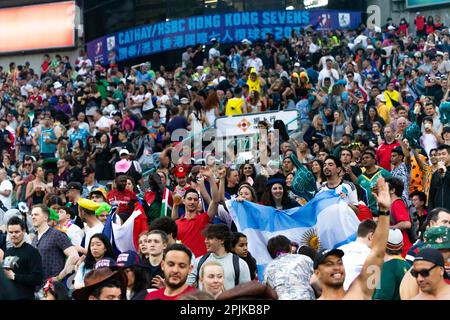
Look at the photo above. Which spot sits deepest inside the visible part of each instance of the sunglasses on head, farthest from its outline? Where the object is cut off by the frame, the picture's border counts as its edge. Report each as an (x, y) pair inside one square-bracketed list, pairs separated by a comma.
[(424, 272)]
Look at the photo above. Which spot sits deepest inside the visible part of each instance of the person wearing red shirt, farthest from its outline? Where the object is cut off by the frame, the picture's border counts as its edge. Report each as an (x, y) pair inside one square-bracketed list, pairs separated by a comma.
[(384, 150), (399, 212), (190, 227), (176, 266), (419, 21), (122, 197), (45, 66)]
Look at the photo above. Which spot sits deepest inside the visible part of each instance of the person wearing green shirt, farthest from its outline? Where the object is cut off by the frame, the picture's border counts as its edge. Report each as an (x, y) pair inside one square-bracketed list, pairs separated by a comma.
[(118, 94), (368, 179), (393, 268)]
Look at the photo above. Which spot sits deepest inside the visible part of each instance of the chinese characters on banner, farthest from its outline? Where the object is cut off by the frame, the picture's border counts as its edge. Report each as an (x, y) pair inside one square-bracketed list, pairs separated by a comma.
[(226, 28)]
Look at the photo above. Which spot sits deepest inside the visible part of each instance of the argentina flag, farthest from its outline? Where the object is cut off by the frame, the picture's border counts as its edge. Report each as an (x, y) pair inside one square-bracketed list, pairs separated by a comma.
[(324, 222)]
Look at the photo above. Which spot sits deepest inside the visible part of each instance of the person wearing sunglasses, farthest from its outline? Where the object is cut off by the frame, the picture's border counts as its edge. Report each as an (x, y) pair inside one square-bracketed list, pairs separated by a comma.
[(430, 274)]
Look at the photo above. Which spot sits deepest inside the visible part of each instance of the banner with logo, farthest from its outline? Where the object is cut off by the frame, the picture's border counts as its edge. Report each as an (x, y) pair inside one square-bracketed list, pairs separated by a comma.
[(247, 124), (226, 28)]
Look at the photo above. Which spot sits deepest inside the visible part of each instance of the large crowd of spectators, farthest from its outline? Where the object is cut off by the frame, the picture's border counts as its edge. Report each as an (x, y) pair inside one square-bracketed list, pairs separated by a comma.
[(77, 138)]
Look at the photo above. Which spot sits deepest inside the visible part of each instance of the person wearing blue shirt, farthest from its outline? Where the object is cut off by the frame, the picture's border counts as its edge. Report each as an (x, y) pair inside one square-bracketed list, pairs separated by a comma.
[(78, 133)]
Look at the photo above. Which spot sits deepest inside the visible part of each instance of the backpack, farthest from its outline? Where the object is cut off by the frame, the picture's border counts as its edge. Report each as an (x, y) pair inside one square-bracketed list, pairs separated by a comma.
[(237, 270)]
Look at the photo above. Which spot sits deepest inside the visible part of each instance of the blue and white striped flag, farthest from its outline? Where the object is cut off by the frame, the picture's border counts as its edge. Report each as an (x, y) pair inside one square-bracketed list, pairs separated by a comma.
[(324, 222)]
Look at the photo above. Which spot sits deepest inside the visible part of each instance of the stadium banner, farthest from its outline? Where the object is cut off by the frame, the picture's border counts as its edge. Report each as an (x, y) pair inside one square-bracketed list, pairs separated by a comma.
[(226, 28), (247, 124), (423, 3)]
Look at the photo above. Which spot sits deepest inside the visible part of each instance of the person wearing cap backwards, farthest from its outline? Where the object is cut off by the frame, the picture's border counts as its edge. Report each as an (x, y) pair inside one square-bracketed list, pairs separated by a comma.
[(86, 211), (191, 225), (431, 277), (330, 271), (393, 269)]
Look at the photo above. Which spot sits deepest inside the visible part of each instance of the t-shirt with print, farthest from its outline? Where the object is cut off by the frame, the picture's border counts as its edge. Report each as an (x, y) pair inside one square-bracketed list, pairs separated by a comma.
[(51, 246), (289, 276), (345, 187)]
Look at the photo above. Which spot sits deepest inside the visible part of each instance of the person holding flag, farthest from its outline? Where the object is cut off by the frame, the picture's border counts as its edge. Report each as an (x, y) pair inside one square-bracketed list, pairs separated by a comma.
[(329, 268), (158, 200)]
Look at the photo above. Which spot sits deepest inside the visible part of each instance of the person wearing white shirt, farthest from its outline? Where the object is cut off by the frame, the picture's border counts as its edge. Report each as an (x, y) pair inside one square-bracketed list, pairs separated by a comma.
[(86, 211), (328, 72), (361, 40), (6, 189), (148, 103), (254, 62), (356, 252), (323, 61), (333, 170), (102, 124)]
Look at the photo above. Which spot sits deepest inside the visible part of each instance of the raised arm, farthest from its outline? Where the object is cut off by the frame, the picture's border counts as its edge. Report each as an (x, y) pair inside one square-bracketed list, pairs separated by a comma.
[(419, 161), (213, 206), (404, 144), (222, 174), (366, 282)]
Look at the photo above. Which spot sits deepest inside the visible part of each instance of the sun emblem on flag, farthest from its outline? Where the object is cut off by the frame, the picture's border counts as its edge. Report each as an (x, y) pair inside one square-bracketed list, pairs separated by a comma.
[(310, 239), (244, 125)]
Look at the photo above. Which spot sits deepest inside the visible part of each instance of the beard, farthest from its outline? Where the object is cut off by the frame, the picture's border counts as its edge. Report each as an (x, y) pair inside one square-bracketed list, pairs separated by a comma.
[(120, 187), (176, 285)]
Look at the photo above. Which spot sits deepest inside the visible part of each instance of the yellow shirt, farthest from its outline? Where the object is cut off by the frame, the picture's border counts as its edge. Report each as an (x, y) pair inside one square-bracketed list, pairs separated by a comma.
[(383, 112), (254, 85), (394, 95), (234, 106)]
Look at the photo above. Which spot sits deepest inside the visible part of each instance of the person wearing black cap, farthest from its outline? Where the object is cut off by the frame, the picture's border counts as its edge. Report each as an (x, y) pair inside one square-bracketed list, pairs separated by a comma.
[(137, 275), (330, 271), (73, 193), (430, 274)]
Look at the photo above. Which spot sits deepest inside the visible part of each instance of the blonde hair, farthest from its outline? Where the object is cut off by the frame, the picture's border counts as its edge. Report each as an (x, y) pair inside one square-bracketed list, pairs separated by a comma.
[(341, 117), (315, 122), (208, 264)]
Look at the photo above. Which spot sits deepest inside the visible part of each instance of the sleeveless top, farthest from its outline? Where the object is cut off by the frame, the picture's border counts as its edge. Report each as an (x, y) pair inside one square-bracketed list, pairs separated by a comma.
[(47, 147)]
